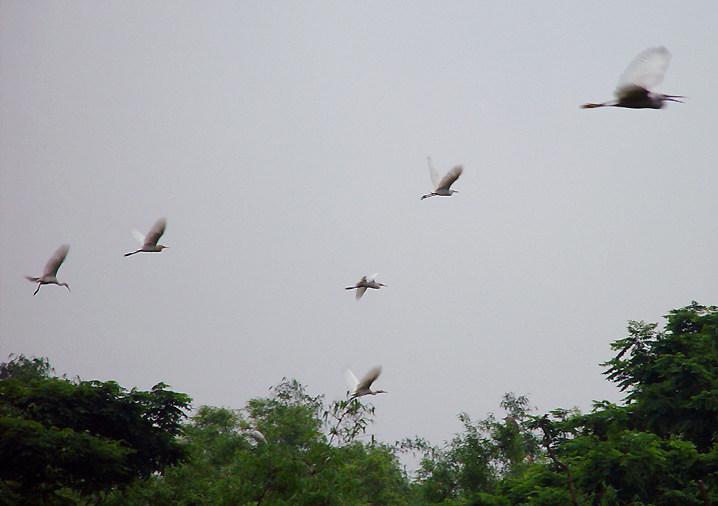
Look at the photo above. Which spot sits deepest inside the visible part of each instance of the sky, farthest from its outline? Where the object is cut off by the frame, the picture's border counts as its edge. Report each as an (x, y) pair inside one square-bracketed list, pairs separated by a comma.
[(286, 142)]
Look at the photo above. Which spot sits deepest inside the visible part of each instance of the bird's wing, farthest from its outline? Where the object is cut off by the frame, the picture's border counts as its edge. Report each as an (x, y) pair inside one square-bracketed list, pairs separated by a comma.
[(631, 92), (450, 177), (156, 232), (256, 435), (360, 292), (139, 236), (372, 278), (369, 378), (435, 177), (56, 261), (351, 379), (645, 71)]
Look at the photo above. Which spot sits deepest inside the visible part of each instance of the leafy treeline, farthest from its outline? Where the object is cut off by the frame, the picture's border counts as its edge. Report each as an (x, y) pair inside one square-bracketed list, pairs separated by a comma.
[(75, 442), (62, 440), (276, 451)]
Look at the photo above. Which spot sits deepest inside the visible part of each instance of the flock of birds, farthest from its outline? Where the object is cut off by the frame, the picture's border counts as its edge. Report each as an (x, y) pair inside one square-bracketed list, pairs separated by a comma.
[(633, 91), (148, 242)]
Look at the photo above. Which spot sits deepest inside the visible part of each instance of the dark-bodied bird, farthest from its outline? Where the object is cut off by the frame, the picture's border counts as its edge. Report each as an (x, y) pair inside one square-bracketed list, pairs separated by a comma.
[(149, 242), (49, 275), (634, 86), (364, 283), (442, 186)]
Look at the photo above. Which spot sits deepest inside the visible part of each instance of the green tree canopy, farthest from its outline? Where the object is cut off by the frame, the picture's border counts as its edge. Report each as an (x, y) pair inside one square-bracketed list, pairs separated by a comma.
[(276, 451), (60, 437), (658, 448), (61, 440), (672, 376), (473, 463)]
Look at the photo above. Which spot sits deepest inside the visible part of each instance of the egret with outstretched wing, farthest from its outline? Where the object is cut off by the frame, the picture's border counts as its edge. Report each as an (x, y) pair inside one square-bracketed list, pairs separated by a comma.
[(149, 242), (359, 388), (442, 186), (364, 283), (49, 275), (634, 86)]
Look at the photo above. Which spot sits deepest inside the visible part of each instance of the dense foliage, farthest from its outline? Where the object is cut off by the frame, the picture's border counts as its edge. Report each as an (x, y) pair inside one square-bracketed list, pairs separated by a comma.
[(658, 448), (63, 439), (276, 451), (65, 442)]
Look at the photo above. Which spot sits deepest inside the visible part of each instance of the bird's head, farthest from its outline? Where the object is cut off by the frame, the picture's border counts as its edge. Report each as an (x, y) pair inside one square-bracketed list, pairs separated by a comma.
[(381, 284), (454, 191), (65, 285), (161, 247), (379, 392)]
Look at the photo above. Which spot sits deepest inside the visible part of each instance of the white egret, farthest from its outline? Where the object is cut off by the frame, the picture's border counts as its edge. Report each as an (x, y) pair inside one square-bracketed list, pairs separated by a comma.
[(255, 435), (49, 275), (364, 283), (442, 185), (359, 388), (634, 86), (149, 242)]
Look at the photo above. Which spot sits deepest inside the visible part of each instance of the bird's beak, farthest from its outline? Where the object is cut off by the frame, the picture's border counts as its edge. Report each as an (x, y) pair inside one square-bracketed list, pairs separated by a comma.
[(674, 98)]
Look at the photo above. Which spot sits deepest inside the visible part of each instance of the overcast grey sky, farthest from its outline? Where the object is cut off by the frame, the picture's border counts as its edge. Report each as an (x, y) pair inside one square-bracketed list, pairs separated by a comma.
[(286, 144)]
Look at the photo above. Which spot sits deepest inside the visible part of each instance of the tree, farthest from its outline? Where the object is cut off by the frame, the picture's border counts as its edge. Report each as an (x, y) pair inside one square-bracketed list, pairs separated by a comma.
[(347, 419), (276, 451), (672, 376), (25, 369), (61, 439), (472, 465), (660, 446)]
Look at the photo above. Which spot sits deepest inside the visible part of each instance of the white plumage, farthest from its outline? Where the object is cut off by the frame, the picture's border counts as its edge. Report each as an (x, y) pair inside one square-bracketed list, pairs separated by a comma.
[(49, 274), (442, 186), (149, 242), (364, 283), (359, 388)]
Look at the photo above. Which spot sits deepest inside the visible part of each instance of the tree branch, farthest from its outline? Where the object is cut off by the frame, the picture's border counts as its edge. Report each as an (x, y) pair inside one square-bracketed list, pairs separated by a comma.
[(704, 493), (544, 425)]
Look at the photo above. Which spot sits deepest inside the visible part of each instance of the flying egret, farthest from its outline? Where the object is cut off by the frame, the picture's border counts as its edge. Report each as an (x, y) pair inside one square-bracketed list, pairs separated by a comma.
[(442, 185), (49, 275), (359, 388), (364, 283), (634, 86), (149, 243)]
